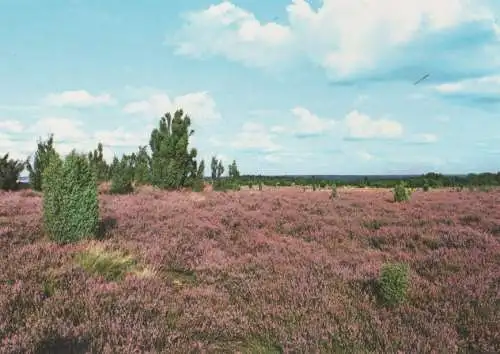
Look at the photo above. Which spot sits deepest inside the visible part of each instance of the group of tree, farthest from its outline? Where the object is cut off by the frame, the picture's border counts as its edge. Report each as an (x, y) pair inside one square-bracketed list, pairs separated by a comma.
[(169, 164)]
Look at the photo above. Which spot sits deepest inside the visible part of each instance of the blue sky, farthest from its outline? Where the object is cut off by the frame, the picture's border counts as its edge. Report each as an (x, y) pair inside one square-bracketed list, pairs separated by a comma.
[(317, 87)]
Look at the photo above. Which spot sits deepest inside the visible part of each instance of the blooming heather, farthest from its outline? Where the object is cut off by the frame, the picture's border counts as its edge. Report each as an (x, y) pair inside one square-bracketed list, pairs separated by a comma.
[(280, 270)]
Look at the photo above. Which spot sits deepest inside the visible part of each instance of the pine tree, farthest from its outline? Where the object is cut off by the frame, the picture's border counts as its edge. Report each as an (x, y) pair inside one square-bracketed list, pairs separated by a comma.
[(98, 164), (9, 173), (213, 166), (113, 167), (172, 166), (234, 175), (44, 153), (142, 166), (217, 172), (220, 169), (233, 170), (122, 175), (198, 183)]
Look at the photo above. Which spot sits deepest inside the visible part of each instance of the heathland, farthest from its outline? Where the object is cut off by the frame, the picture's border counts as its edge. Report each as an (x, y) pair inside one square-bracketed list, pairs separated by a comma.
[(277, 270), (143, 255)]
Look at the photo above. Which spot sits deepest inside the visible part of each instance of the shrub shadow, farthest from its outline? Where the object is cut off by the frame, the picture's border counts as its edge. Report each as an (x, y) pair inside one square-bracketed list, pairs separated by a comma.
[(63, 345), (105, 226)]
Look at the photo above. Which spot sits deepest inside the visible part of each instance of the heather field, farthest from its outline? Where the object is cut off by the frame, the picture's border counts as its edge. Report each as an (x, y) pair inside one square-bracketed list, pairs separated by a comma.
[(282, 270)]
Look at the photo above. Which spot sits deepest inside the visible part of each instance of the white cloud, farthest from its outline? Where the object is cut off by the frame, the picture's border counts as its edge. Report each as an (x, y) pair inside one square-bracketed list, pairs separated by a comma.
[(12, 126), (278, 129), (78, 98), (479, 92), (235, 33), (62, 128), (344, 37), (310, 124), (121, 138), (254, 136), (481, 85), (70, 134), (16, 149), (362, 126), (198, 105)]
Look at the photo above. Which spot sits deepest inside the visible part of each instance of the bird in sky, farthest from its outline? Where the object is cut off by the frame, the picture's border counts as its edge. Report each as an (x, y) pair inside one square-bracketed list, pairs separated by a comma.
[(421, 79)]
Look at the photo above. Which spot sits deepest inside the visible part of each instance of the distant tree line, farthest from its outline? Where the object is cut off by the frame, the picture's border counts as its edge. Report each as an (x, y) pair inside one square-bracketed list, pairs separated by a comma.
[(428, 180)]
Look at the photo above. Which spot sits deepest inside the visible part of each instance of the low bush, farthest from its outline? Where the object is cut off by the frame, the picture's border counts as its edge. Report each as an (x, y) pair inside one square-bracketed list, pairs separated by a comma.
[(401, 193), (393, 283)]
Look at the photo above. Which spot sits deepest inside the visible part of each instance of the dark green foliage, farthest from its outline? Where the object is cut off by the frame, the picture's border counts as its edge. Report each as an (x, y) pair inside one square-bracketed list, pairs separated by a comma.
[(213, 167), (113, 167), (434, 180), (199, 184), (123, 175), (426, 187), (98, 164), (70, 203), (401, 193), (233, 170), (9, 173), (234, 175), (219, 184), (173, 166), (142, 166), (220, 169), (43, 155), (393, 283)]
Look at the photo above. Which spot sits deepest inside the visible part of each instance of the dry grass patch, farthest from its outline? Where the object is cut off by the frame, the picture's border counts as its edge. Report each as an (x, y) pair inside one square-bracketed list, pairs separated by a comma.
[(112, 265)]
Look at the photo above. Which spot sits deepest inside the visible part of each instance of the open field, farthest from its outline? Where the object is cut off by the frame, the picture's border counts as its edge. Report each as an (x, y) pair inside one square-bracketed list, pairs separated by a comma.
[(255, 272)]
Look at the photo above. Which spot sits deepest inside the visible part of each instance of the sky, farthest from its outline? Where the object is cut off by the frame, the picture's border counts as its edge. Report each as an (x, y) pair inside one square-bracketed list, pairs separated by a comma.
[(282, 86)]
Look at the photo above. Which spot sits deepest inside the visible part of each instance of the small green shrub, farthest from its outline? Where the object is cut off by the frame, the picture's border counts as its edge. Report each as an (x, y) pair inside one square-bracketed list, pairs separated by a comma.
[(198, 185), (393, 283), (486, 189), (373, 224), (333, 193), (70, 199), (426, 187), (121, 179), (314, 187), (260, 185), (401, 193), (219, 185), (250, 185)]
